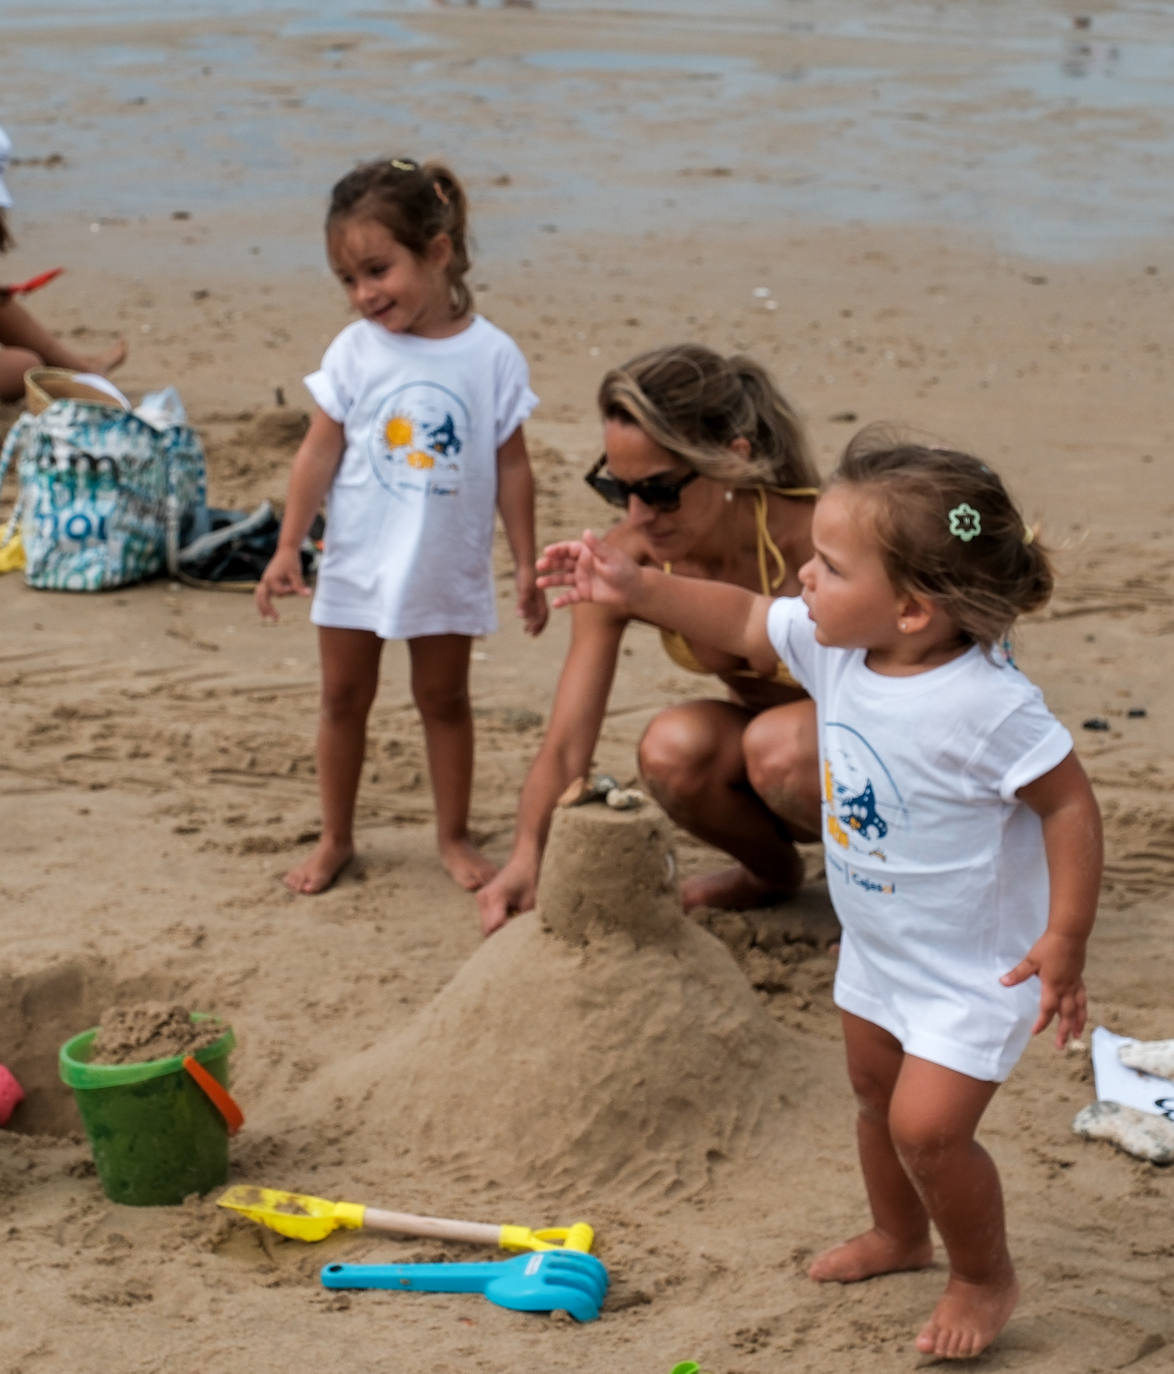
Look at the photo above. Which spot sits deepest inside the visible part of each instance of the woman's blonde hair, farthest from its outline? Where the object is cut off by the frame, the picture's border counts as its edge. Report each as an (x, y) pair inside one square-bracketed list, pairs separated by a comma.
[(695, 403), (414, 202), (948, 530)]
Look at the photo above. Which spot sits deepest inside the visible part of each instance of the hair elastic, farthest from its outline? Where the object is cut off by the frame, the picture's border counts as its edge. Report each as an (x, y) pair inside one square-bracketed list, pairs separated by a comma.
[(965, 523), (1028, 535)]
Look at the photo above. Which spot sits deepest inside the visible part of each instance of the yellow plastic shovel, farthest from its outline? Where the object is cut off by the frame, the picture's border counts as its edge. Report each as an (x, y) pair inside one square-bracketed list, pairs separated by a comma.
[(313, 1218)]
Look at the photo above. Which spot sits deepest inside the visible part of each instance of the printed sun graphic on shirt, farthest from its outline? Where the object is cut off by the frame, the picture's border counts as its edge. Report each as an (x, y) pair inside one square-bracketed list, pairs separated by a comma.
[(419, 434)]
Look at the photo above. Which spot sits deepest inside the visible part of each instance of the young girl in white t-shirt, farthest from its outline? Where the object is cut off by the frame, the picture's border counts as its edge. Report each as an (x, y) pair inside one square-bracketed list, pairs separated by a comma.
[(962, 839), (417, 434)]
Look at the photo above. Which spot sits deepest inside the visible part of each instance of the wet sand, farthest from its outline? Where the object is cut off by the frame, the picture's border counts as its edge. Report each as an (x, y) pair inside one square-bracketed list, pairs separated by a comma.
[(157, 745)]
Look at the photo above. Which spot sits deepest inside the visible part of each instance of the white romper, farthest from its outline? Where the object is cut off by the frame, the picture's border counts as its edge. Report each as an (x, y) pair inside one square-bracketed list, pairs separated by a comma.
[(409, 516), (936, 871)]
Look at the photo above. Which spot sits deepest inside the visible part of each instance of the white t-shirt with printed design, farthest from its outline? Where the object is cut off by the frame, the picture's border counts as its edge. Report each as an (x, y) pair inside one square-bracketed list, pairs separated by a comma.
[(409, 516), (937, 872)]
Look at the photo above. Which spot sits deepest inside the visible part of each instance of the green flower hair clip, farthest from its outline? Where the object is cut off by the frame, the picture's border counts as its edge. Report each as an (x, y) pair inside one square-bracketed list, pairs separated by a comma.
[(965, 523)]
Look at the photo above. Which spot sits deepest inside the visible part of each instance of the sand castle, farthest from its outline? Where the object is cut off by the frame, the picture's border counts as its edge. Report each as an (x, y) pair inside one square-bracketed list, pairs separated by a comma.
[(602, 1038)]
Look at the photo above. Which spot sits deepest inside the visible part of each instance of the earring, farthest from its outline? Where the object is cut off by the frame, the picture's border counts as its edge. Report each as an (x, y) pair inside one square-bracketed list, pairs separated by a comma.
[(729, 493), (902, 625)]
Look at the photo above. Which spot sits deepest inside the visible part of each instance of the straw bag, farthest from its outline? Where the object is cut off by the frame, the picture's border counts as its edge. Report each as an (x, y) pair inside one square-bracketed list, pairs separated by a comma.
[(104, 494)]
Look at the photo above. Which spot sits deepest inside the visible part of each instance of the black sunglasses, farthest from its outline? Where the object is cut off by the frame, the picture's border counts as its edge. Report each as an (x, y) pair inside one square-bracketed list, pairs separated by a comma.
[(658, 493)]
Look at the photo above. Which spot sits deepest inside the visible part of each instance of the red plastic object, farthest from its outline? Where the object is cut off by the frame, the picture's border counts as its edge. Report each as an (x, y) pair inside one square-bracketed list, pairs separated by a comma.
[(217, 1093), (11, 1094), (33, 283)]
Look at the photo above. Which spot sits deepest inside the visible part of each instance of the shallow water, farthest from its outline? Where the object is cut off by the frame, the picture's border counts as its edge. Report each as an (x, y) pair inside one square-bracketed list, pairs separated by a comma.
[(1002, 118)]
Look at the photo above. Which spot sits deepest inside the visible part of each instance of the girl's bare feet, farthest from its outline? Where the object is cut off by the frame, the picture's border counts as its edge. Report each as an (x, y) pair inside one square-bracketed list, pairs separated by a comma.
[(869, 1254), (465, 864), (737, 889), (968, 1317), (318, 872)]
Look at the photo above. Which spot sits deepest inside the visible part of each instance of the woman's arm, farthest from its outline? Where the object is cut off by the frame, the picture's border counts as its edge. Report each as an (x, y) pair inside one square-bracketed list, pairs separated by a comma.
[(576, 718), (314, 466), (1063, 799), (515, 501)]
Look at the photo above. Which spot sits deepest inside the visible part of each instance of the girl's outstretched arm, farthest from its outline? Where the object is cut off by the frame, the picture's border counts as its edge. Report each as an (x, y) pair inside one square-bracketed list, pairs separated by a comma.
[(1063, 799), (716, 613)]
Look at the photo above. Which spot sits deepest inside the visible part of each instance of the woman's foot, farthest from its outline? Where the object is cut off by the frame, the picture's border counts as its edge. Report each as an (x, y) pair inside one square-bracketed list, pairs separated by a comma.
[(968, 1317), (737, 889), (465, 864), (867, 1255), (319, 871)]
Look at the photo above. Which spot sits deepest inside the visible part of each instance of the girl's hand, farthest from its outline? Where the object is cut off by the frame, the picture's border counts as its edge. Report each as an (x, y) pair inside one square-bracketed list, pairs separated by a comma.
[(531, 601), (282, 577), (1059, 961), (591, 571)]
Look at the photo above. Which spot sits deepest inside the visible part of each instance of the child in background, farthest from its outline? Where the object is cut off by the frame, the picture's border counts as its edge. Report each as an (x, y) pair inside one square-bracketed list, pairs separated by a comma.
[(962, 838), (417, 433), (24, 343)]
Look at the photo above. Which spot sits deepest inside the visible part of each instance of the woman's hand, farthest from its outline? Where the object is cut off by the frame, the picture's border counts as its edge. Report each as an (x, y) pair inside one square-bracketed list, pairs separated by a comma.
[(510, 890), (591, 571), (282, 577)]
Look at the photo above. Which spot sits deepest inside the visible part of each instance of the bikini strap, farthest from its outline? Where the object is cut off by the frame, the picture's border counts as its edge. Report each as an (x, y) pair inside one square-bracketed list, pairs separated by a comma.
[(767, 545)]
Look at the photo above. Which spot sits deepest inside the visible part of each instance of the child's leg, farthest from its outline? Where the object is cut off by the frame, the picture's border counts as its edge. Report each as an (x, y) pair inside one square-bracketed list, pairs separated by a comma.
[(899, 1238), (933, 1117), (350, 677), (440, 689), (33, 346)]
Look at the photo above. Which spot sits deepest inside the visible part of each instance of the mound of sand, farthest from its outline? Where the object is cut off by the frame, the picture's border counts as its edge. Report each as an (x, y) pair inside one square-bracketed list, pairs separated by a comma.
[(601, 1039)]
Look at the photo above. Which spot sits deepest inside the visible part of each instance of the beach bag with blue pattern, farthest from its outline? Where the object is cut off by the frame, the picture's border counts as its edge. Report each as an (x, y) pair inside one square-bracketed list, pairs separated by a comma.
[(104, 494)]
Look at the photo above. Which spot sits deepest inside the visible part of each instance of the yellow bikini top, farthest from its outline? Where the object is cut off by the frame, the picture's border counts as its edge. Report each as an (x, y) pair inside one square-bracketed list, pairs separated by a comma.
[(677, 646)]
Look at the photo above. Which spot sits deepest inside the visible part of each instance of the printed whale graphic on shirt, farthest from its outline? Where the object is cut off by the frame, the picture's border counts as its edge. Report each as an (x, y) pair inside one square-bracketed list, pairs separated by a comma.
[(862, 802), (418, 436), (860, 814)]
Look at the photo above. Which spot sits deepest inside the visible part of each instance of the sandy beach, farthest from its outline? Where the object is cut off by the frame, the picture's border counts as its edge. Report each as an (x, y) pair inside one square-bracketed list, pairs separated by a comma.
[(841, 194)]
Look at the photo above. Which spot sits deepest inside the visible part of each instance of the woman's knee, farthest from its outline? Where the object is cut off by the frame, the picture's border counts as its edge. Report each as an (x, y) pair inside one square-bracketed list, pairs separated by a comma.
[(675, 756), (781, 753)]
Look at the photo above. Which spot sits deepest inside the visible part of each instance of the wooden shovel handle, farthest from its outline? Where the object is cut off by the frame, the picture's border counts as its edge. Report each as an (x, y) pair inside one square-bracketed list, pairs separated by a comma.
[(404, 1223)]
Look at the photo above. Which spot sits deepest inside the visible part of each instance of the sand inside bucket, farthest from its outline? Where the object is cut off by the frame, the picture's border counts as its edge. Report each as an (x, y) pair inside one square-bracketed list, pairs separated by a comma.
[(150, 1030)]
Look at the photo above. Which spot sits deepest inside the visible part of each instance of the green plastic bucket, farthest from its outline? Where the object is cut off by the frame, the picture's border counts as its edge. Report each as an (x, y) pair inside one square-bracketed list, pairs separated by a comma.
[(155, 1135)]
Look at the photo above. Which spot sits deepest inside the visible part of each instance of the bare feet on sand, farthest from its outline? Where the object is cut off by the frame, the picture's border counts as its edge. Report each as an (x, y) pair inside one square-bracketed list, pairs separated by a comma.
[(737, 889), (318, 872), (465, 864), (968, 1317), (107, 361), (867, 1255)]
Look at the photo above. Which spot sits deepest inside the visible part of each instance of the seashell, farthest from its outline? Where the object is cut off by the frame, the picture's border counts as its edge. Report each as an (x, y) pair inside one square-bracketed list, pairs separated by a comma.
[(602, 784), (577, 793), (1150, 1056), (1137, 1133), (624, 798)]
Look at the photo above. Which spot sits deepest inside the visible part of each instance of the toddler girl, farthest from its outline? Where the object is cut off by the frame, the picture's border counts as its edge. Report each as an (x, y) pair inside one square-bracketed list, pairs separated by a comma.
[(962, 839), (417, 433)]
